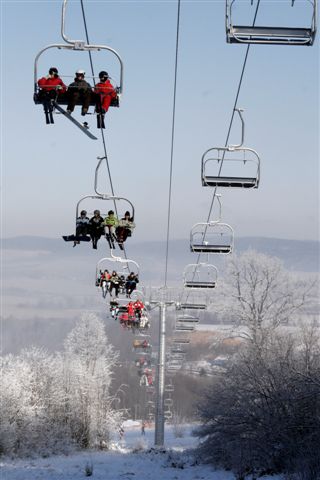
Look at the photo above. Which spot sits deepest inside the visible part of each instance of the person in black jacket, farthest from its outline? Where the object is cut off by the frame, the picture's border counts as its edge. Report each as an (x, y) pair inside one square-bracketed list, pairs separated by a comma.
[(79, 90), (96, 228)]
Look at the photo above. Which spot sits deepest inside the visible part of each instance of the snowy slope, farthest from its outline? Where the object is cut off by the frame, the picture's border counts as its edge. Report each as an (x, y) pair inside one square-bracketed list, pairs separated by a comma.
[(132, 458)]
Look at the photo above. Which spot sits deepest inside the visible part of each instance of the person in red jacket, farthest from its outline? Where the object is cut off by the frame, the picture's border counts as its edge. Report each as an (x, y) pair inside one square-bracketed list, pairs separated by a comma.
[(51, 87), (105, 91), (52, 83)]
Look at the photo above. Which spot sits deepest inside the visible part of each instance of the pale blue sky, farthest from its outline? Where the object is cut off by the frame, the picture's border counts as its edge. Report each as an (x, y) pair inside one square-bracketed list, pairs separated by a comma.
[(47, 169)]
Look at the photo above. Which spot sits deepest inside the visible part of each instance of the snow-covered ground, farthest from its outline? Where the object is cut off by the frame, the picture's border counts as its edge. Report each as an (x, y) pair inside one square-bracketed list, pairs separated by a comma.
[(131, 458)]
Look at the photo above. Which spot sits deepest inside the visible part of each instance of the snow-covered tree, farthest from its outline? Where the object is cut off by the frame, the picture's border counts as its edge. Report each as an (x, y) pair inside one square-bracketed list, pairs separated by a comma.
[(87, 376), (51, 402), (263, 415), (260, 294)]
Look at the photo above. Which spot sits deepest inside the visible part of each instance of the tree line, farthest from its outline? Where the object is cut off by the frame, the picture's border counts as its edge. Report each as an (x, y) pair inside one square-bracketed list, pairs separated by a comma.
[(51, 403)]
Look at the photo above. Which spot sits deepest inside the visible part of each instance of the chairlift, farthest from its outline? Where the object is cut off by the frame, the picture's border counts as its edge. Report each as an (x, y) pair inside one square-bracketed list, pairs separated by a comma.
[(142, 344), (212, 237), (192, 306), (168, 415), (177, 356), (173, 366), (184, 328), (231, 166), (181, 341), (77, 46), (118, 264), (200, 275), (169, 388), (85, 237), (188, 319), (268, 35), (177, 351)]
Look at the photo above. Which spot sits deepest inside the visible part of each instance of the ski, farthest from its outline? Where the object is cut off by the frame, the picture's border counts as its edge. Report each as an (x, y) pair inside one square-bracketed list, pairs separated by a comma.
[(73, 120), (74, 238)]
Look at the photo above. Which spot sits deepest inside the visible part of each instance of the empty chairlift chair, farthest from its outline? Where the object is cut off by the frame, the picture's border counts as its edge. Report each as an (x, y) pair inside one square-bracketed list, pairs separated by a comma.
[(187, 319), (200, 275), (212, 237), (272, 35), (231, 166)]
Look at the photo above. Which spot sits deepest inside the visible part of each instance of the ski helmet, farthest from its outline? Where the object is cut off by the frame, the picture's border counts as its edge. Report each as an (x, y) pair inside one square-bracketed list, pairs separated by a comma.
[(103, 75), (80, 72)]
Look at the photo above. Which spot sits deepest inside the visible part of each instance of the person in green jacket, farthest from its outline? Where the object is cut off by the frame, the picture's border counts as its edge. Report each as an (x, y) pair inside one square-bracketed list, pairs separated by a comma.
[(110, 224)]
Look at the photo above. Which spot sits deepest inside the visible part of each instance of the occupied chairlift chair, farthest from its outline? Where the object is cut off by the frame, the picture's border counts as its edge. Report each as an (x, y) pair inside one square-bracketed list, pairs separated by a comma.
[(98, 197), (219, 169), (270, 35), (111, 263), (78, 46), (212, 237)]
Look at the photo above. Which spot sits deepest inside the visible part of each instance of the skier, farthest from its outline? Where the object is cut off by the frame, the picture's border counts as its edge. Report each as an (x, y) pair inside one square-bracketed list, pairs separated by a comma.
[(79, 90), (105, 94), (124, 229), (96, 228), (51, 87), (110, 223)]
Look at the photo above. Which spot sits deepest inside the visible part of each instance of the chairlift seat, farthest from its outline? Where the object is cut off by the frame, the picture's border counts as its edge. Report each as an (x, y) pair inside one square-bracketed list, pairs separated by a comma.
[(181, 341), (169, 388), (184, 328), (218, 181), (63, 99), (201, 248), (177, 351), (270, 35), (200, 284), (193, 306), (188, 320)]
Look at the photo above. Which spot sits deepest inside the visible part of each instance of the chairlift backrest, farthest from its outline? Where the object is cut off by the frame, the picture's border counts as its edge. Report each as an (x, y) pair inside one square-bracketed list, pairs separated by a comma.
[(241, 169), (100, 197), (118, 264), (271, 35)]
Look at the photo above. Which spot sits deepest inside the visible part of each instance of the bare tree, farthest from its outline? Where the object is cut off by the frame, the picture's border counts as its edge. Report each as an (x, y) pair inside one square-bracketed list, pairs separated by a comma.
[(263, 414), (259, 294)]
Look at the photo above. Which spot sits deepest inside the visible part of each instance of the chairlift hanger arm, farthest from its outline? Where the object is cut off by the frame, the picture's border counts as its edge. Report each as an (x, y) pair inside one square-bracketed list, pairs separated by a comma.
[(81, 45), (107, 197)]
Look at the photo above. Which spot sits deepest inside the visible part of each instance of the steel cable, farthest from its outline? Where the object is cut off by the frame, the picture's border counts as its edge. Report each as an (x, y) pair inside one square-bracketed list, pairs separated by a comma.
[(101, 129), (172, 144)]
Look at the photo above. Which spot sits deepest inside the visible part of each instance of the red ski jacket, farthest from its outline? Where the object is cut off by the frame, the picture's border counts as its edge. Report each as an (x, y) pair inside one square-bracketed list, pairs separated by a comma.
[(107, 92), (48, 83)]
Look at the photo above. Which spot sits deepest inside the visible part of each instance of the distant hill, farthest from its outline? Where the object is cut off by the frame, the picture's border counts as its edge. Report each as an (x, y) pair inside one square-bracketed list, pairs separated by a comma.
[(47, 284), (299, 255)]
